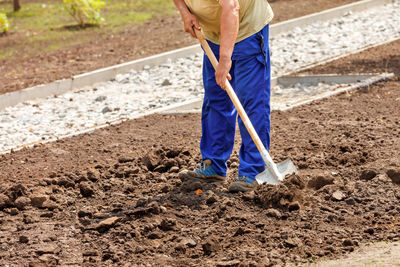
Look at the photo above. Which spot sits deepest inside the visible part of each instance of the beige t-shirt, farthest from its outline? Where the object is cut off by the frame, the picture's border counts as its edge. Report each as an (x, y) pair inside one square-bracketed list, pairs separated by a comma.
[(253, 16)]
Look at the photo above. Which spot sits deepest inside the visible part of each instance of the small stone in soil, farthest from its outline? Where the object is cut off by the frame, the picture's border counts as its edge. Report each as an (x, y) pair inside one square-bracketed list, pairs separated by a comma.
[(105, 110), (338, 195)]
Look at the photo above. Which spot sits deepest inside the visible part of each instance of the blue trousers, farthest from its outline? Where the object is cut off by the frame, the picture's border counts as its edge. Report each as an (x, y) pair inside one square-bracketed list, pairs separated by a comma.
[(251, 80)]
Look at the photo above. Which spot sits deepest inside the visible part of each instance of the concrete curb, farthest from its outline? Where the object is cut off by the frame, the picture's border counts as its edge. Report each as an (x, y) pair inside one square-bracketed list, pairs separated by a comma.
[(358, 85), (311, 80), (105, 74)]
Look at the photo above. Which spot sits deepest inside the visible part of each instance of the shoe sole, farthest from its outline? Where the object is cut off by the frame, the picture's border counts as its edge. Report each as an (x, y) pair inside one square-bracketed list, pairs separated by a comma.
[(235, 188), (190, 175)]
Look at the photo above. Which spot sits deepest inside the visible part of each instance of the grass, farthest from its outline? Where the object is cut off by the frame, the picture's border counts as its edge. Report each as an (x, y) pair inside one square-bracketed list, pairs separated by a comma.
[(46, 26)]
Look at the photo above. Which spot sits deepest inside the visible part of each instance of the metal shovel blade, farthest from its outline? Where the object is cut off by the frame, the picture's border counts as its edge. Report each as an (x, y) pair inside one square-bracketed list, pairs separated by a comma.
[(285, 167)]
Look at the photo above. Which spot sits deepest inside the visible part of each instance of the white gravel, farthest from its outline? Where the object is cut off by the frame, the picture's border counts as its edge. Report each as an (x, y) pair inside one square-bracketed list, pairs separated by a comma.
[(134, 93)]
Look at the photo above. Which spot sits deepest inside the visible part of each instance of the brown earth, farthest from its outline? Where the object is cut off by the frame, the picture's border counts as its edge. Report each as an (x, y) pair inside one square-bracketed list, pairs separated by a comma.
[(113, 197), (153, 37)]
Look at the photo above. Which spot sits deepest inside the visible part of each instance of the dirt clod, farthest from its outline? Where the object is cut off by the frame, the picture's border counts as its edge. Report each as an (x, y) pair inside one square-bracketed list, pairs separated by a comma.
[(23, 239), (209, 246), (106, 224), (282, 195), (37, 200), (86, 189), (319, 182), (368, 175), (4, 201), (22, 202), (274, 213), (394, 175)]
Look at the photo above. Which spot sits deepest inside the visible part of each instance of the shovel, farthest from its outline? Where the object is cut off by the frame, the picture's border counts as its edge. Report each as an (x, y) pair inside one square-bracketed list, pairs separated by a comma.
[(274, 173)]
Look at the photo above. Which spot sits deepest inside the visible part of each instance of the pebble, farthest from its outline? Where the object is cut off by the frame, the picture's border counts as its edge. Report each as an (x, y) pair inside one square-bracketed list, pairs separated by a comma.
[(338, 195), (138, 92)]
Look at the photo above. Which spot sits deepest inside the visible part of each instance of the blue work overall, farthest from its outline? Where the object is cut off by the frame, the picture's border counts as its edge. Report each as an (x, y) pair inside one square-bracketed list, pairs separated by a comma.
[(251, 80)]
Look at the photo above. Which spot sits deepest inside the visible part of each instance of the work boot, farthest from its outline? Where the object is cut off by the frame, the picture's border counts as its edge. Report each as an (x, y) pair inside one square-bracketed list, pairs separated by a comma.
[(204, 173), (243, 184)]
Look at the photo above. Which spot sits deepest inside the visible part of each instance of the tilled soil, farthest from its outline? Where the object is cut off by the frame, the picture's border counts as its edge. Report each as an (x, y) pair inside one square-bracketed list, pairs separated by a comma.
[(153, 37), (114, 197)]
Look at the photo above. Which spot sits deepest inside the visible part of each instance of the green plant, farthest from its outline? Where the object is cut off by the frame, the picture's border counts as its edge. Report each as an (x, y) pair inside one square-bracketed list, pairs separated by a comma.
[(3, 23), (82, 10)]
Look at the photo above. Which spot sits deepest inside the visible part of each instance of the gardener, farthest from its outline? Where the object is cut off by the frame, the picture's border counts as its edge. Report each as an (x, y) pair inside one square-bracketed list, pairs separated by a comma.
[(238, 32)]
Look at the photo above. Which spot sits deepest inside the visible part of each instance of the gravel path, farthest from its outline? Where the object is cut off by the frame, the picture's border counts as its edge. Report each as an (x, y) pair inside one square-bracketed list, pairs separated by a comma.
[(134, 93)]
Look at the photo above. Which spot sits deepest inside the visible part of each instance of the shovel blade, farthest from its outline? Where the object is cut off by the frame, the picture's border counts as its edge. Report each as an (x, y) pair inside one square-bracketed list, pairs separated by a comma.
[(285, 167)]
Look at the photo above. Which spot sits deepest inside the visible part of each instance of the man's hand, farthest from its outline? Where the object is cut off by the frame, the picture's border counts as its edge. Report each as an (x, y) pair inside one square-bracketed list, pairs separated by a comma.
[(229, 31), (190, 21), (222, 72)]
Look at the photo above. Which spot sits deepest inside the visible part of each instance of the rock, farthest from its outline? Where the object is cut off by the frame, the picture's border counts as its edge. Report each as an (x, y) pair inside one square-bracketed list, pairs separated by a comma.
[(294, 206), (22, 202), (106, 224), (86, 189), (188, 242), (368, 175), (23, 239), (274, 213), (105, 110), (4, 201), (100, 98), (394, 175), (166, 82), (319, 182), (38, 199), (338, 195)]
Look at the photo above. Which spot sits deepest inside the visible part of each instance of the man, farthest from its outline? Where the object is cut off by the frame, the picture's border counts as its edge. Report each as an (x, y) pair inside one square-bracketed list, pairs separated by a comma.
[(238, 33)]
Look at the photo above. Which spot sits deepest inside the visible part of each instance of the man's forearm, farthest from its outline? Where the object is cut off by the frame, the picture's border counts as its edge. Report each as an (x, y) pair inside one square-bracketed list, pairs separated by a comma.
[(229, 27), (181, 6)]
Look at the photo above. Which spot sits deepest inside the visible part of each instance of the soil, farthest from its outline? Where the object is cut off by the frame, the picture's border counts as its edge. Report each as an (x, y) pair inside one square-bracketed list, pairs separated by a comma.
[(113, 197), (153, 37)]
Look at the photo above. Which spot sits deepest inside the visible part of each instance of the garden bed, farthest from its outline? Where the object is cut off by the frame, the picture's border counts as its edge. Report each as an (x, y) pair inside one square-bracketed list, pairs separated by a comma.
[(114, 196)]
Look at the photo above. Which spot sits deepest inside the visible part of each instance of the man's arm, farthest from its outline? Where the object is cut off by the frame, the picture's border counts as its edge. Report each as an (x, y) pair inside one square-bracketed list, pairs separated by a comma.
[(189, 20), (229, 31)]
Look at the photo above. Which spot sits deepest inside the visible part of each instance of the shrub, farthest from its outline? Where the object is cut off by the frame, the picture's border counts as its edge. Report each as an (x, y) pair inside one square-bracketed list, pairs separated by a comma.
[(85, 10), (3, 23)]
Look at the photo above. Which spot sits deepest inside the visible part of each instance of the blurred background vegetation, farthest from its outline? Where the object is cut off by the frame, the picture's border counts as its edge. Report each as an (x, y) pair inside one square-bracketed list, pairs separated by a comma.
[(45, 25)]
